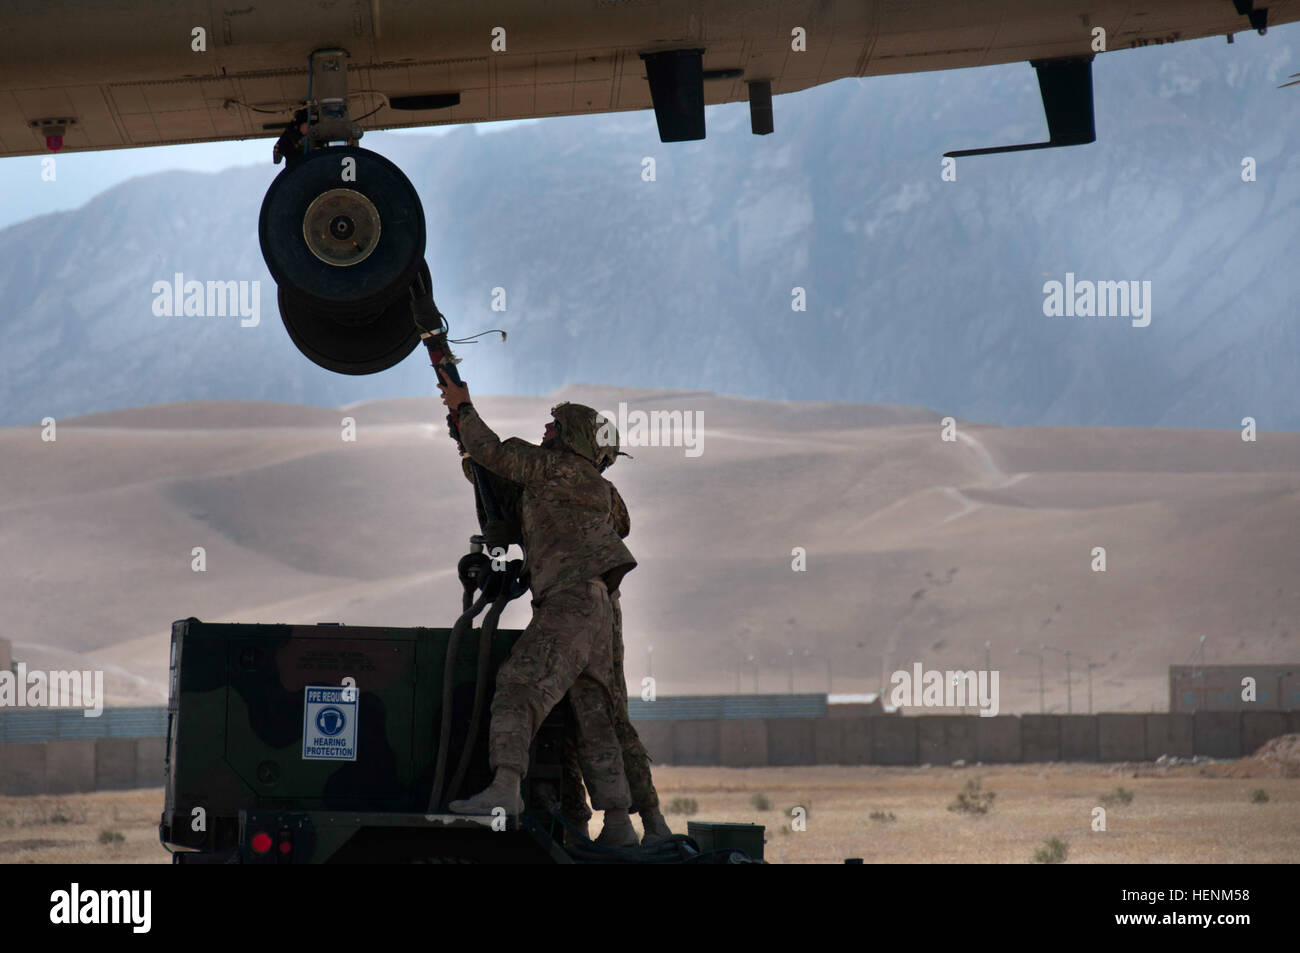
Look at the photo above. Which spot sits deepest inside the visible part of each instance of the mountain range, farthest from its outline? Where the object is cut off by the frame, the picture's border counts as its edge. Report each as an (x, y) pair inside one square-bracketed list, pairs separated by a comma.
[(916, 290)]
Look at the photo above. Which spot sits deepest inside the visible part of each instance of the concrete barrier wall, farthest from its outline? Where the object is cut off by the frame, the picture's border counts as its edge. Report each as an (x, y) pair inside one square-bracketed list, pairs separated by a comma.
[(744, 742), (1005, 739), (1121, 737), (1172, 735), (22, 769), (1040, 738), (893, 740), (1218, 733), (73, 765), (68, 766), (842, 741), (657, 736), (698, 741), (1258, 727), (943, 739), (999, 739), (149, 756), (115, 764), (1078, 737), (790, 741)]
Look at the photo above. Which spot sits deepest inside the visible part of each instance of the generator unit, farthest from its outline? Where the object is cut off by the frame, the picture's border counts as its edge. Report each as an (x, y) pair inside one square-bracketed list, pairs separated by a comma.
[(314, 743), (290, 744)]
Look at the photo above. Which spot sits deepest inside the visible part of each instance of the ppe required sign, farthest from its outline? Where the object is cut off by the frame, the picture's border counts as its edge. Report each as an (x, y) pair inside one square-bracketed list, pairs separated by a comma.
[(329, 723)]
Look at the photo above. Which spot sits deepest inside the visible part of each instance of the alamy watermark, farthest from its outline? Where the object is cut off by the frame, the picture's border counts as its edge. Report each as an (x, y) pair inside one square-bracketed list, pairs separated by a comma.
[(935, 689), (654, 428), (37, 689), (131, 908), (213, 299), (1098, 299)]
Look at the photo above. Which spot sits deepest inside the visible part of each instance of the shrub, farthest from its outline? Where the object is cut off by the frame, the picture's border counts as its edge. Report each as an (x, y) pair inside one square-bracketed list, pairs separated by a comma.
[(1258, 796), (972, 799), (110, 837), (1118, 796), (683, 805), (1053, 851), (760, 802)]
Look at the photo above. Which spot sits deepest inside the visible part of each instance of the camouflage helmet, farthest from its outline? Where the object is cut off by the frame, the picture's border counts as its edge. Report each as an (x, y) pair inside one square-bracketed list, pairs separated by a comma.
[(587, 433)]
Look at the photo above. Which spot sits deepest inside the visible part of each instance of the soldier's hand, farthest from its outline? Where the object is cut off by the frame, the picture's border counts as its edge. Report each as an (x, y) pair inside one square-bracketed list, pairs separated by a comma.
[(453, 395)]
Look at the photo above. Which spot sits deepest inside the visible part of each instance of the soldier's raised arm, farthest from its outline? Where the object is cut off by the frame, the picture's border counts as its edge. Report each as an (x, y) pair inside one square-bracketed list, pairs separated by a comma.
[(516, 460)]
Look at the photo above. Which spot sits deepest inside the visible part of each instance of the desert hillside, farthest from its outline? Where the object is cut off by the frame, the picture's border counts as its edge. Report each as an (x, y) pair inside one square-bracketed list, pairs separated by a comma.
[(918, 549)]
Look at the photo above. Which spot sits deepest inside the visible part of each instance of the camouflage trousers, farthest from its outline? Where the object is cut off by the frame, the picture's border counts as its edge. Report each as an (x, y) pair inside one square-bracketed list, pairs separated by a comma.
[(636, 760), (565, 649)]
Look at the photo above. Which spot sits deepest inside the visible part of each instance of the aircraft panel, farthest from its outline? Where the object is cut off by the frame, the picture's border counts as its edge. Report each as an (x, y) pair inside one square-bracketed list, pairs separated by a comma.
[(127, 73)]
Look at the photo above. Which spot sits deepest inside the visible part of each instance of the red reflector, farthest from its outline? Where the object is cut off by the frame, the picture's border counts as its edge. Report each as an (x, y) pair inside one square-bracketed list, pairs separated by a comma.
[(262, 842), (285, 847)]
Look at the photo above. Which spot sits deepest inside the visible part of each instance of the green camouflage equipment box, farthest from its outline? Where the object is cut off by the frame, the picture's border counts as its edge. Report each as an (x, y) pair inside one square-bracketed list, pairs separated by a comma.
[(272, 757), (291, 744)]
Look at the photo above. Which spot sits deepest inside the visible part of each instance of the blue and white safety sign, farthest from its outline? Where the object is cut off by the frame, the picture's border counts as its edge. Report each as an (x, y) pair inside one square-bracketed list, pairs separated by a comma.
[(329, 723)]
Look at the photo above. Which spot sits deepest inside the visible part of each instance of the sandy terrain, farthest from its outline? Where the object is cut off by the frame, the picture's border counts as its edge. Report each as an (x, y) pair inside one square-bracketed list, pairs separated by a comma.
[(918, 550), (1185, 814)]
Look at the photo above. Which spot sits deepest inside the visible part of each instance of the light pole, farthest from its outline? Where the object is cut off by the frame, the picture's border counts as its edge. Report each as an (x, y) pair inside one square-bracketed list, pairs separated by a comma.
[(750, 660), (1041, 709), (650, 661), (1091, 665), (790, 652), (1069, 705)]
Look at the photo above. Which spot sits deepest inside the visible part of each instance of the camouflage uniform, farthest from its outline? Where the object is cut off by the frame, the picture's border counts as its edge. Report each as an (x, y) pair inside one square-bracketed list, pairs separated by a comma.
[(575, 558), (636, 760)]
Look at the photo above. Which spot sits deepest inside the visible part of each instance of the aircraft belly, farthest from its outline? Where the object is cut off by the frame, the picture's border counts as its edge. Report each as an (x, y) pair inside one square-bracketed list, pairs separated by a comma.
[(129, 77)]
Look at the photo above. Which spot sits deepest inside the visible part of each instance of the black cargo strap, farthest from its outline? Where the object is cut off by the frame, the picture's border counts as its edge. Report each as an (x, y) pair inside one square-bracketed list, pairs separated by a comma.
[(499, 588)]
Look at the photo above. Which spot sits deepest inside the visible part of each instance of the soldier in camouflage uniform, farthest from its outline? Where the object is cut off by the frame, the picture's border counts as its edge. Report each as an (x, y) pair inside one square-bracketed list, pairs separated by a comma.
[(636, 760), (572, 796), (575, 558)]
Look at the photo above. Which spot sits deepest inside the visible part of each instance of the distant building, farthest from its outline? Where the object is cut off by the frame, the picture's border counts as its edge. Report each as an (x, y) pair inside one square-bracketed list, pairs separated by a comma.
[(727, 706), (670, 707), (855, 706), (1219, 687)]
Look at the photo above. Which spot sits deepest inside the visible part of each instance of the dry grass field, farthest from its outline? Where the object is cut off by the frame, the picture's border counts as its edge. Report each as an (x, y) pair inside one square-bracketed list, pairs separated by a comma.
[(1189, 813)]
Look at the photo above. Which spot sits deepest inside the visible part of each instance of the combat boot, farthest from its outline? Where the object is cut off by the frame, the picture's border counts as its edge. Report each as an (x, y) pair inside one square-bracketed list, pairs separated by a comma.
[(656, 828), (579, 834), (503, 792), (617, 831)]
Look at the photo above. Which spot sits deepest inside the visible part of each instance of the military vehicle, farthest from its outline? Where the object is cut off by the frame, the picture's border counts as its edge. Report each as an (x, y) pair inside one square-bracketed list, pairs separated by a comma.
[(290, 744)]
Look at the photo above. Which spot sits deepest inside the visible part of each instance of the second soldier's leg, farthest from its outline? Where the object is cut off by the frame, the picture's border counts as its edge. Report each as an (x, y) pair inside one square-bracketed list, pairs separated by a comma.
[(541, 667), (636, 760), (599, 750), (573, 793)]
